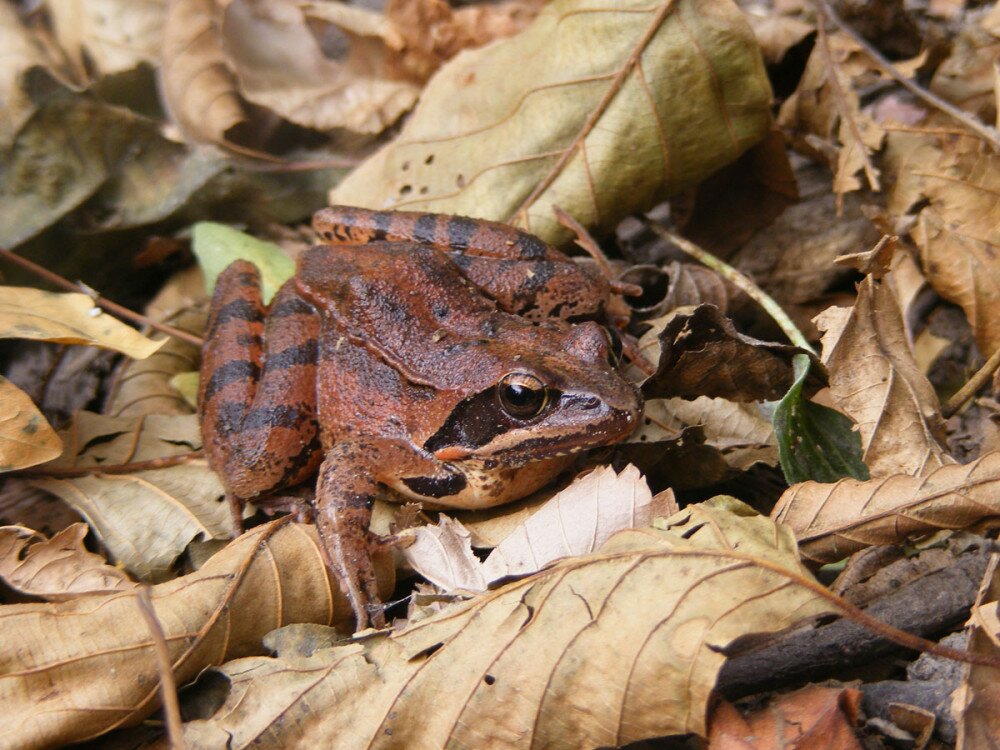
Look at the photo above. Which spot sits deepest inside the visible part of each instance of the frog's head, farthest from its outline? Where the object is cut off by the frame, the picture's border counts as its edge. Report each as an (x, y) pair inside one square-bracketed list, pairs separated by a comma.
[(556, 393)]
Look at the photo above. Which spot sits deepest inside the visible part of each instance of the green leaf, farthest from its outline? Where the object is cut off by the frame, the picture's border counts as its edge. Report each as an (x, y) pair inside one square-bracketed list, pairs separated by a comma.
[(815, 442), (217, 245)]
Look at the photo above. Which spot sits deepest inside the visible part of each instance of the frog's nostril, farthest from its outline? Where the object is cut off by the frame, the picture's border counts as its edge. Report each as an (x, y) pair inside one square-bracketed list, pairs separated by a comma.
[(590, 403)]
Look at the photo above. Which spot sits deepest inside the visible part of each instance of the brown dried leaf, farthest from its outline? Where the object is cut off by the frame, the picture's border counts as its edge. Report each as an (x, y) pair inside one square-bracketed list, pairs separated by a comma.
[(740, 431), (702, 354), (954, 181), (976, 702), (474, 146), (278, 63), (19, 52), (27, 313), (26, 438), (831, 521), (55, 569), (529, 665), (813, 718), (99, 646), (147, 518), (826, 110), (876, 382), (575, 521), (116, 35), (967, 76), (196, 84)]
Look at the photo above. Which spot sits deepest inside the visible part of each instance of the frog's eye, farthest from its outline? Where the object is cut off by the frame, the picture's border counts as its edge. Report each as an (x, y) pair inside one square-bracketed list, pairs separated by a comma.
[(522, 395), (614, 346)]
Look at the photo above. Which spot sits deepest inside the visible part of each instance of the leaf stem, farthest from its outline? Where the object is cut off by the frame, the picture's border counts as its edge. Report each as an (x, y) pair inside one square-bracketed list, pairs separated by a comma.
[(738, 279), (985, 132), (977, 381), (105, 304), (168, 685)]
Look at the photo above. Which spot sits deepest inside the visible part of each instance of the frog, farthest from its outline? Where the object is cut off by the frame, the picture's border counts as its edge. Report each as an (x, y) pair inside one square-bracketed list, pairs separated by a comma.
[(454, 362)]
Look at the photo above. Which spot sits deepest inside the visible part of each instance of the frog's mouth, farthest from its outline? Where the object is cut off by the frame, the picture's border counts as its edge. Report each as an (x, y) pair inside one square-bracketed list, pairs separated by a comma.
[(479, 431)]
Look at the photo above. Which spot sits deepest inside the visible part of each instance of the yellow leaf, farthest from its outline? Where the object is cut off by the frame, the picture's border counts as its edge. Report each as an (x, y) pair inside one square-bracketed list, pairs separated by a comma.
[(26, 438), (27, 313), (598, 109)]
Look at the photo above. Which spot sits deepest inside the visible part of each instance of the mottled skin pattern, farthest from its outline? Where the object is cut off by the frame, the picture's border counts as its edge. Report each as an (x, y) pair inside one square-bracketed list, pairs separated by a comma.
[(382, 362)]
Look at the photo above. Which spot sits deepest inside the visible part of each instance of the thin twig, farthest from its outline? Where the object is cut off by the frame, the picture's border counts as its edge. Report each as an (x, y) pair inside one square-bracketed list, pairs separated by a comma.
[(112, 307), (745, 283), (971, 388), (985, 132), (162, 462), (168, 685)]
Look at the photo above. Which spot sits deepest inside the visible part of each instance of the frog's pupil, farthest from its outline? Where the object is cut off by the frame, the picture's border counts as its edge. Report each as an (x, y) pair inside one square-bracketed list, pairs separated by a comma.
[(521, 396)]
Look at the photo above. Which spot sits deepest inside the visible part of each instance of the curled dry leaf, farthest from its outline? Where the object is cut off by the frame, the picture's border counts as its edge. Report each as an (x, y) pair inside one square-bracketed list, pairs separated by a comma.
[(952, 182), (617, 117), (26, 438), (976, 702), (831, 521), (967, 77), (115, 35), (875, 380), (575, 521), (99, 646), (812, 717), (593, 651), (145, 519), (27, 313), (825, 109), (55, 569), (702, 354)]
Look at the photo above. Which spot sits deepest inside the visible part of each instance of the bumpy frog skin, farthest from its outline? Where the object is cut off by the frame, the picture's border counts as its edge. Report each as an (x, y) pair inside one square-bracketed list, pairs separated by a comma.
[(426, 353)]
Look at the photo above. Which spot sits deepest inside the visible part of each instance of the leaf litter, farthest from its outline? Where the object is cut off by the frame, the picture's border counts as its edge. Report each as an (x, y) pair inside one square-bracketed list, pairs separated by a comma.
[(506, 111)]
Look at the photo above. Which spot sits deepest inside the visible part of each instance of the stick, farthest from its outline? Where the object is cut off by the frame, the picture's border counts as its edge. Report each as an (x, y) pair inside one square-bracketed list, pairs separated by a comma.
[(168, 686)]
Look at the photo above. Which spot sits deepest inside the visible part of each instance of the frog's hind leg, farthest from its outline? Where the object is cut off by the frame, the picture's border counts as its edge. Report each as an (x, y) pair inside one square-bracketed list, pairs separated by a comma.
[(257, 392)]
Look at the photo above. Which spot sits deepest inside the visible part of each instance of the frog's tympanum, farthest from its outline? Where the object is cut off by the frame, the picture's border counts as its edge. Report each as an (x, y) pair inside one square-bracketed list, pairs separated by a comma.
[(430, 354)]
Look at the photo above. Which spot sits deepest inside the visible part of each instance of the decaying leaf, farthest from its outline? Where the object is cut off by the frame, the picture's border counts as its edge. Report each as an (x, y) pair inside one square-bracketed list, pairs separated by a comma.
[(55, 569), (147, 518), (581, 654), (575, 521), (813, 717), (826, 107), (617, 117), (967, 77), (875, 380), (976, 702), (99, 646), (115, 35), (26, 438), (702, 354), (27, 313), (831, 521), (952, 181), (19, 52)]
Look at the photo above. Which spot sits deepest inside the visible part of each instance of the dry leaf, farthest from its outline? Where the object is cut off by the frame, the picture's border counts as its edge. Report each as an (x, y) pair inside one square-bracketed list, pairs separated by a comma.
[(831, 521), (19, 52), (197, 86), (550, 118), (825, 107), (967, 76), (876, 382), (27, 313), (592, 651), (742, 432), (26, 438), (278, 63), (55, 569), (976, 702), (813, 718), (99, 651), (953, 182), (145, 519), (702, 354), (115, 35), (576, 521)]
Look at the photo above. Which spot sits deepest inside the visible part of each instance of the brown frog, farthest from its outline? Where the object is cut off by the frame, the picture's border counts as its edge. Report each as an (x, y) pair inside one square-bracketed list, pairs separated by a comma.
[(426, 353)]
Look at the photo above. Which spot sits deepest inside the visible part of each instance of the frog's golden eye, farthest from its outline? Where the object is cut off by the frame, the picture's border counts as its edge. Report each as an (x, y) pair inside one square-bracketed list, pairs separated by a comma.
[(522, 395)]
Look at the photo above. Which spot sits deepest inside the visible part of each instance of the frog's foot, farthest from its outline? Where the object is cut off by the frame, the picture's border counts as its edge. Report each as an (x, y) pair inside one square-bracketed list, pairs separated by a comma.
[(343, 513)]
